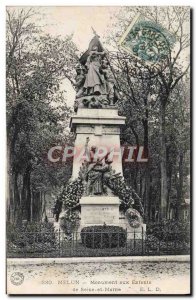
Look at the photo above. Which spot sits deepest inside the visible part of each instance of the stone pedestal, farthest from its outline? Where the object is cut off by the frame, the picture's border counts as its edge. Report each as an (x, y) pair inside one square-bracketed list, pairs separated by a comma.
[(102, 126), (97, 210)]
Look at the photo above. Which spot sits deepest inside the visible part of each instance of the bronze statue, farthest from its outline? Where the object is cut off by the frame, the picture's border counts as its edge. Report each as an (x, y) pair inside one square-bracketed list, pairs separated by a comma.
[(110, 82), (95, 169), (95, 82), (79, 80)]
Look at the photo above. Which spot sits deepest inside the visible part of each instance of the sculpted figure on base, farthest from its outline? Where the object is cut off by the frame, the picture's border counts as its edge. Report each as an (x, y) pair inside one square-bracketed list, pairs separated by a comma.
[(94, 170), (95, 82)]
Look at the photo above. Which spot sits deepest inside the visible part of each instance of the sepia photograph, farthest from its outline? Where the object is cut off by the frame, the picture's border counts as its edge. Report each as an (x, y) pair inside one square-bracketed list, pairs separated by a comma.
[(98, 128)]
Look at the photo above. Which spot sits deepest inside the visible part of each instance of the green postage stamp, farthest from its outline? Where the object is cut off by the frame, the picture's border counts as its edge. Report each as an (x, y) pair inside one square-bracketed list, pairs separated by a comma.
[(147, 40)]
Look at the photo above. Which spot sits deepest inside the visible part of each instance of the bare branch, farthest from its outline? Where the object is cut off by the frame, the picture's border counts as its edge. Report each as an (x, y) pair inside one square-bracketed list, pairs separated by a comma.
[(180, 77)]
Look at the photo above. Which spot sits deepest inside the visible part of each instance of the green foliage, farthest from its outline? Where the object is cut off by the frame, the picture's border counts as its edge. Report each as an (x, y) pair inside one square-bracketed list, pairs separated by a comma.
[(32, 237), (126, 193), (170, 230), (37, 113), (168, 236), (72, 193), (97, 237), (149, 94), (70, 197), (36, 108)]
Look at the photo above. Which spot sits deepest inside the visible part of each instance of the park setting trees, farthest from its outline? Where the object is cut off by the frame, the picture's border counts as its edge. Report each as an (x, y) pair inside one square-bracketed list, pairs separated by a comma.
[(148, 93), (154, 101), (37, 114)]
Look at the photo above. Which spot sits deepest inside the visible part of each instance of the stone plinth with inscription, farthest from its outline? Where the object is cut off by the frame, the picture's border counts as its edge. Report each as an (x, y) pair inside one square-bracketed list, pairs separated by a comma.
[(99, 210)]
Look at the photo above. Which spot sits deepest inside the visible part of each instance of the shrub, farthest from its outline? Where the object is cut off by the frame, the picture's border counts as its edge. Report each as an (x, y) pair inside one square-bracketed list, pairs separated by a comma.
[(170, 230), (169, 236), (154, 245), (99, 237), (152, 242), (32, 236)]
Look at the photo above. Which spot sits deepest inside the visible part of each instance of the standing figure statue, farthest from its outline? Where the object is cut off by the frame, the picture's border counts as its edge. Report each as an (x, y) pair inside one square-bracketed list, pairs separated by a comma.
[(95, 82), (79, 83), (96, 168), (79, 80), (110, 82)]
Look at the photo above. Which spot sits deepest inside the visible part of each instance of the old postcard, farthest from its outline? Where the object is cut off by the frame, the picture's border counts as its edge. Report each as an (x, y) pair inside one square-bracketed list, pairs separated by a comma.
[(98, 150)]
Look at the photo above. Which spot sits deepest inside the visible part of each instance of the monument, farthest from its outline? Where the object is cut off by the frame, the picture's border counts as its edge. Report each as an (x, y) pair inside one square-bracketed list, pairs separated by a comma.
[(96, 125)]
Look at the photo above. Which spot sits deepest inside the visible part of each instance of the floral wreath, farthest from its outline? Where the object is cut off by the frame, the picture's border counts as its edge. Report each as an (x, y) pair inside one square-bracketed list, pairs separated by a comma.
[(134, 218)]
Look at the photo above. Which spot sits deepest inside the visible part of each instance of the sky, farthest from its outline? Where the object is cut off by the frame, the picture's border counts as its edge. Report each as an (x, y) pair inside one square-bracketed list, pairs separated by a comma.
[(78, 21), (63, 20)]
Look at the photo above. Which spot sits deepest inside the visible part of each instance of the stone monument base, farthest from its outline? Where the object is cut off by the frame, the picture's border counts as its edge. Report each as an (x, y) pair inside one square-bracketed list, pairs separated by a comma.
[(99, 210)]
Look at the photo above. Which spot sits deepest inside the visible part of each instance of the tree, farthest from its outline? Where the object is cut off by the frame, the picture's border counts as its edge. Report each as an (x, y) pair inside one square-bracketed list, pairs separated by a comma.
[(178, 144), (166, 76), (37, 114)]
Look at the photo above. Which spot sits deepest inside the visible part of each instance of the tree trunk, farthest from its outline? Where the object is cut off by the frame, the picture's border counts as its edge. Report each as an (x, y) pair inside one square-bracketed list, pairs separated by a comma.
[(26, 195), (147, 194), (16, 198), (37, 206), (146, 169), (180, 186), (149, 209), (164, 189), (169, 190), (13, 201), (44, 206)]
